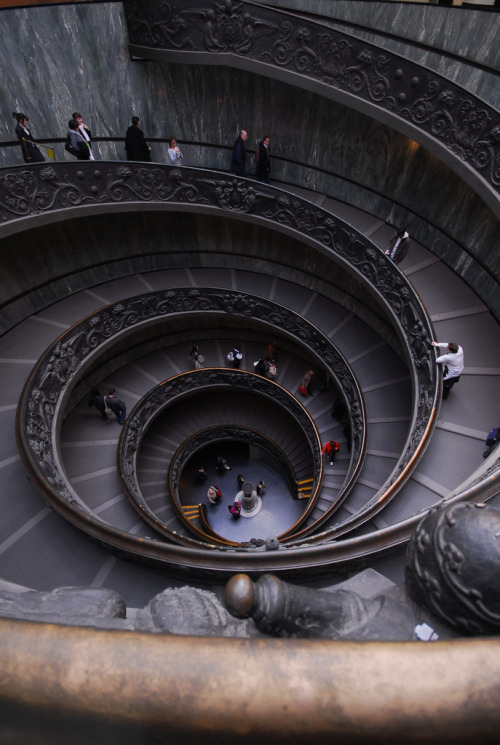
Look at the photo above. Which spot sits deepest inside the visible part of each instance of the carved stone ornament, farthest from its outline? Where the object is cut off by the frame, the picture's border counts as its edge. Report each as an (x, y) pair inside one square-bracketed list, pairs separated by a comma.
[(58, 369), (453, 566), (462, 123)]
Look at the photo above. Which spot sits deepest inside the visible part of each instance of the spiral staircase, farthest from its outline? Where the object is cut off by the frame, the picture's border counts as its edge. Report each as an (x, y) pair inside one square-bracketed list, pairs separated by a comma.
[(89, 446), (126, 268)]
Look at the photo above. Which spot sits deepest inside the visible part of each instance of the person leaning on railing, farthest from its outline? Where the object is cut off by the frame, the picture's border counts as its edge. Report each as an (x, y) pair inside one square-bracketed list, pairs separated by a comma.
[(453, 362)]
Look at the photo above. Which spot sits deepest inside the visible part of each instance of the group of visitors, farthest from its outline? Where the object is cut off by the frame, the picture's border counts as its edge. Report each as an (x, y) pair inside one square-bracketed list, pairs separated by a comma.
[(214, 493), (79, 144), (262, 157), (266, 366), (235, 357), (79, 141)]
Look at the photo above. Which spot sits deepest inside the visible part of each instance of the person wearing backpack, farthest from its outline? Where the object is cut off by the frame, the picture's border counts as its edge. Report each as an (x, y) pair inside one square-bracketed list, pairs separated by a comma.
[(492, 440), (117, 407), (76, 144)]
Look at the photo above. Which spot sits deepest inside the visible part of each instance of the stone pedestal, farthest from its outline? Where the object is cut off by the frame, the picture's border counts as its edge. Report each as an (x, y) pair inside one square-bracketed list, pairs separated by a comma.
[(250, 502), (249, 498)]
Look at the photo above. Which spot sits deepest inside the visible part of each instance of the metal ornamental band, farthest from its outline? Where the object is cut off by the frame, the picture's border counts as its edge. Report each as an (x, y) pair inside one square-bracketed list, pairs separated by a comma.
[(161, 397), (463, 124), (42, 403), (44, 191)]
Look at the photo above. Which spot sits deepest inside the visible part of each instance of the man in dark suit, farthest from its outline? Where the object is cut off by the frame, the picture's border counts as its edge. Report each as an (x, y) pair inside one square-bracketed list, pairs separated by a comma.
[(135, 144), (399, 245), (238, 159), (263, 166)]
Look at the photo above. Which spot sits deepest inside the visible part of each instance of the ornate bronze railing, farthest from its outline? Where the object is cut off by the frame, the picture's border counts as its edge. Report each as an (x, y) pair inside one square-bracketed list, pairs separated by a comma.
[(420, 103), (63, 190), (159, 399), (43, 193), (134, 687), (238, 434), (42, 406)]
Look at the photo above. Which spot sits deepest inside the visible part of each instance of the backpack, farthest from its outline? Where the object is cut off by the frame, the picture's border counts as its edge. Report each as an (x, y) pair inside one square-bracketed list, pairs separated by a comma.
[(71, 150), (492, 435), (83, 154)]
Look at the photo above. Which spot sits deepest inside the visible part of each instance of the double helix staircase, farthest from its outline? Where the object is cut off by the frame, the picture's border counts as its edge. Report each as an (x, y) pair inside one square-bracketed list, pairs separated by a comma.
[(40, 550)]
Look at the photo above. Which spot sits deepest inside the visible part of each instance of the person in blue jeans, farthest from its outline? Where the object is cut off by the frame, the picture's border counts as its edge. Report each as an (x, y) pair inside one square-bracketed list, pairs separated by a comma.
[(117, 407)]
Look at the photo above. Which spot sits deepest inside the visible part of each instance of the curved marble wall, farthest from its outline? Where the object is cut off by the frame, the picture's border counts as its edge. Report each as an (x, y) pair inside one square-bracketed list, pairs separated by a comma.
[(319, 143)]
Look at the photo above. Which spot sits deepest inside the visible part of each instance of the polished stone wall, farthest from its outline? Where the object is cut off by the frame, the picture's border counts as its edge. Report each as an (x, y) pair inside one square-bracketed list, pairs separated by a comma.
[(58, 59)]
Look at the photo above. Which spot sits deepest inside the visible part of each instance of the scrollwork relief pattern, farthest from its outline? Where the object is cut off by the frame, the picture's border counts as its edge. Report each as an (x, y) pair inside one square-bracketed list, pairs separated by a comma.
[(60, 365), (35, 191), (60, 186), (460, 122)]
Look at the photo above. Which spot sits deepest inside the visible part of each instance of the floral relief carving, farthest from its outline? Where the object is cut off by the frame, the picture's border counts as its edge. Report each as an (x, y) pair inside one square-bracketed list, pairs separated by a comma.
[(163, 26), (452, 565)]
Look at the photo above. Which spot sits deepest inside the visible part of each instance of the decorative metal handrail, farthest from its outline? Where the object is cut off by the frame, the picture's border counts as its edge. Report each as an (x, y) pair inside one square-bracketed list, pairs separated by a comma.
[(59, 191), (157, 401), (41, 407), (62, 190), (395, 89), (237, 434), (128, 686)]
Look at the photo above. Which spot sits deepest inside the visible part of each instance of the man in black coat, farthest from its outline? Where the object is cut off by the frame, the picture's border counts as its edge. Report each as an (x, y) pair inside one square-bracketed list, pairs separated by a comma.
[(135, 144), (399, 245), (263, 165), (97, 399), (238, 159)]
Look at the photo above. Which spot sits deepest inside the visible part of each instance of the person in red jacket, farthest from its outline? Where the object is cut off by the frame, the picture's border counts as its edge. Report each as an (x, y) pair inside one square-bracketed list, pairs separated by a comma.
[(330, 450)]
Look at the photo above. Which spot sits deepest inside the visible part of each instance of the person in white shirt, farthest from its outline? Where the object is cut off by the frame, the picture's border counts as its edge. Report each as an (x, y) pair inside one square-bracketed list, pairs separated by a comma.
[(453, 362), (173, 152)]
